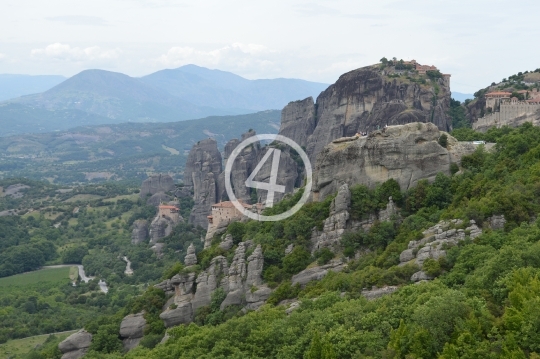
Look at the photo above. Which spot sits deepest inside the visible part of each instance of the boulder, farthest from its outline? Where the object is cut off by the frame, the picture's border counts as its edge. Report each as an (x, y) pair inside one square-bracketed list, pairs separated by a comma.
[(183, 314), (76, 345), (257, 296), (317, 273), (132, 330), (420, 276), (191, 258), (140, 231)]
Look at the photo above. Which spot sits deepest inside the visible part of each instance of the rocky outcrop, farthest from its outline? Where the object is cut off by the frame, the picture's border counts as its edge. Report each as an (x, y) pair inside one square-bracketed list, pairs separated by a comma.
[(140, 231), (376, 293), (191, 258), (163, 224), (243, 166), (436, 241), (298, 121), (76, 345), (406, 153), (209, 280), (365, 100), (203, 167), (340, 221), (496, 222), (180, 311), (336, 224), (132, 330), (241, 281), (160, 228), (317, 273), (288, 174), (226, 242), (158, 198), (156, 184)]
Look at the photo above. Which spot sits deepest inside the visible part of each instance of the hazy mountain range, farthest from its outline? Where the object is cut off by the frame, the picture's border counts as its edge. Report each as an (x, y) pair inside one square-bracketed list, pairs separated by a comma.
[(99, 97), (12, 86)]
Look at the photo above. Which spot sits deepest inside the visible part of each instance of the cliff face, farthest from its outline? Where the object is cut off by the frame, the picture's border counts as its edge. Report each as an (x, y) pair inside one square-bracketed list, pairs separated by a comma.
[(203, 167), (156, 184), (365, 100), (407, 153)]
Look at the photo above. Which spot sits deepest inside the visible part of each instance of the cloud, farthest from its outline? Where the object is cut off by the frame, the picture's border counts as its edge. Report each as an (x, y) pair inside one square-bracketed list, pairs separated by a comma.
[(2, 56), (234, 56), (67, 53), (314, 9), (79, 20)]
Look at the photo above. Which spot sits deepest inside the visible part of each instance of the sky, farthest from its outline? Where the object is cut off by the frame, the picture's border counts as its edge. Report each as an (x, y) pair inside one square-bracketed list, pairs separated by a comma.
[(476, 41)]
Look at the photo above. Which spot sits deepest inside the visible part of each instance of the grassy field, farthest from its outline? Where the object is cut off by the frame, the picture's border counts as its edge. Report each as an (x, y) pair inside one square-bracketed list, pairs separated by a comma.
[(42, 275), (23, 346)]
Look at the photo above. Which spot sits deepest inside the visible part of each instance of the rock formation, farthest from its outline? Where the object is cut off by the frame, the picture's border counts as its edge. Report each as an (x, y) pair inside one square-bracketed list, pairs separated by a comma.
[(203, 167), (166, 219), (243, 166), (156, 184), (496, 222), (140, 231), (132, 330), (241, 281), (407, 153), (365, 100), (435, 242), (317, 273), (76, 345), (376, 293), (298, 121), (288, 174), (340, 221), (226, 242), (191, 258), (160, 228)]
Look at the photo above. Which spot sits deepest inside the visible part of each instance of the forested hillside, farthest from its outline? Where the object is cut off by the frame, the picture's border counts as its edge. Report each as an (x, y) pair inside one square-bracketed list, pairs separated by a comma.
[(482, 303)]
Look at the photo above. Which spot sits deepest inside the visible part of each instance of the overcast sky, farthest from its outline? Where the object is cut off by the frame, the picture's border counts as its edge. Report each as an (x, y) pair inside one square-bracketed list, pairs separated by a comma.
[(476, 41)]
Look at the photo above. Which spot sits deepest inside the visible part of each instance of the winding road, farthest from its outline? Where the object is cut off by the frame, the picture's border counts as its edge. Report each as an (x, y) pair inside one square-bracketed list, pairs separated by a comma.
[(82, 275), (128, 270)]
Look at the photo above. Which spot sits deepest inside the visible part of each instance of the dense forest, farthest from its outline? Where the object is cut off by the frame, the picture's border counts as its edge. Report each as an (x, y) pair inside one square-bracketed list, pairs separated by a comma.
[(483, 302)]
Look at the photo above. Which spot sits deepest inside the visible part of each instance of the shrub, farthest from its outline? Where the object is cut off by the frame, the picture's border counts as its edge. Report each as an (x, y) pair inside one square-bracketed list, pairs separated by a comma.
[(432, 267), (323, 256), (296, 261), (443, 140)]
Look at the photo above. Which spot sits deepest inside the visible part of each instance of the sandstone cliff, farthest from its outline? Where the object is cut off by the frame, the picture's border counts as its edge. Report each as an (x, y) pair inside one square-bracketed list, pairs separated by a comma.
[(407, 153), (365, 100), (201, 174)]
